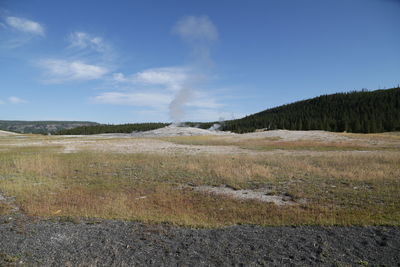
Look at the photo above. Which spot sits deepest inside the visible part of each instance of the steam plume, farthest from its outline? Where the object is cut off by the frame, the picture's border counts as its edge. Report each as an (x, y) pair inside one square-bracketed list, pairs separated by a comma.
[(199, 33), (177, 105)]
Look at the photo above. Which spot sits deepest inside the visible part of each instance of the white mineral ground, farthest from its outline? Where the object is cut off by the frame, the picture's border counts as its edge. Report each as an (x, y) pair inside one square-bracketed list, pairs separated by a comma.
[(262, 195), (148, 142), (173, 130), (5, 133)]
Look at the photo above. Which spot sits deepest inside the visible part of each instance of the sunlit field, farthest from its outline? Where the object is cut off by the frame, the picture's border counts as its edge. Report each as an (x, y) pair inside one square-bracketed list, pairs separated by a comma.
[(328, 183)]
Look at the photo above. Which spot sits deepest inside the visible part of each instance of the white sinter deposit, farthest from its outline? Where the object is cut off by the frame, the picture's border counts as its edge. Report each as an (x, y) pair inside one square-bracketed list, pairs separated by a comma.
[(5, 133), (173, 130)]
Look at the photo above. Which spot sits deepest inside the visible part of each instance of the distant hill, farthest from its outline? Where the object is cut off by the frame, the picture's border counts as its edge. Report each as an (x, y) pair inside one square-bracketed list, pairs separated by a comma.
[(41, 127), (360, 112)]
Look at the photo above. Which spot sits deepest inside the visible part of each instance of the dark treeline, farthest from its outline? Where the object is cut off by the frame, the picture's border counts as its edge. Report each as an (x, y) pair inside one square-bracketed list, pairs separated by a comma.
[(109, 128), (126, 128), (359, 112), (202, 125)]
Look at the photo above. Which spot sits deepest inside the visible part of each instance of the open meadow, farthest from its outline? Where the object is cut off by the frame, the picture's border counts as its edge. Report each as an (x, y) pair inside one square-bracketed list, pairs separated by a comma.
[(268, 178)]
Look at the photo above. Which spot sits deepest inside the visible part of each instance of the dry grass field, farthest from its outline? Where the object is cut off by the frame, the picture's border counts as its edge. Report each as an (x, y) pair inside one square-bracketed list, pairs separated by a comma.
[(351, 180)]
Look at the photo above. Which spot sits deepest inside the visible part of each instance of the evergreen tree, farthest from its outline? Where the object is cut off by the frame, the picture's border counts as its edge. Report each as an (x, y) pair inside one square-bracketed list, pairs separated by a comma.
[(360, 112)]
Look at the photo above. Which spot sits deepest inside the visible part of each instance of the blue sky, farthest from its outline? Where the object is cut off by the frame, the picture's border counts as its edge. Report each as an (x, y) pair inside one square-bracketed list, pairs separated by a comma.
[(136, 61)]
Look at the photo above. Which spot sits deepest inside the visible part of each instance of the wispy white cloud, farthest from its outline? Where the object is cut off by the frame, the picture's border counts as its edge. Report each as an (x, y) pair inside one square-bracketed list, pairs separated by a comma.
[(119, 77), (141, 99), (83, 40), (25, 25), (171, 78), (171, 88), (156, 104), (16, 100), (58, 70), (91, 48), (88, 57), (160, 99), (165, 84)]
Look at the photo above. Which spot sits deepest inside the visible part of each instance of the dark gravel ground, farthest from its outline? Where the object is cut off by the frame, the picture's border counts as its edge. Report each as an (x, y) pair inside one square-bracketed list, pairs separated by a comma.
[(29, 242)]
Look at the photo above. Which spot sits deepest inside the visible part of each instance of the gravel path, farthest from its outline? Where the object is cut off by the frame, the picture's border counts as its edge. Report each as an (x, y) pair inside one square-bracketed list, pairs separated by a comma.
[(117, 243)]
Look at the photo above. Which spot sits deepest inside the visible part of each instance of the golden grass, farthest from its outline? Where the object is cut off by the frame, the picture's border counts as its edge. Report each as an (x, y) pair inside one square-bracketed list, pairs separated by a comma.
[(389, 136), (340, 188), (272, 143)]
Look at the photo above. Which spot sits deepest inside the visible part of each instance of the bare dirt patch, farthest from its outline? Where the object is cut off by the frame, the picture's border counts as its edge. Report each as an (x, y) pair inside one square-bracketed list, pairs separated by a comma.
[(263, 195)]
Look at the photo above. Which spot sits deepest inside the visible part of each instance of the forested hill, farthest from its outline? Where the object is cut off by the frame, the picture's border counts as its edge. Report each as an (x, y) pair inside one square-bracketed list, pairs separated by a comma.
[(360, 112), (41, 127)]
